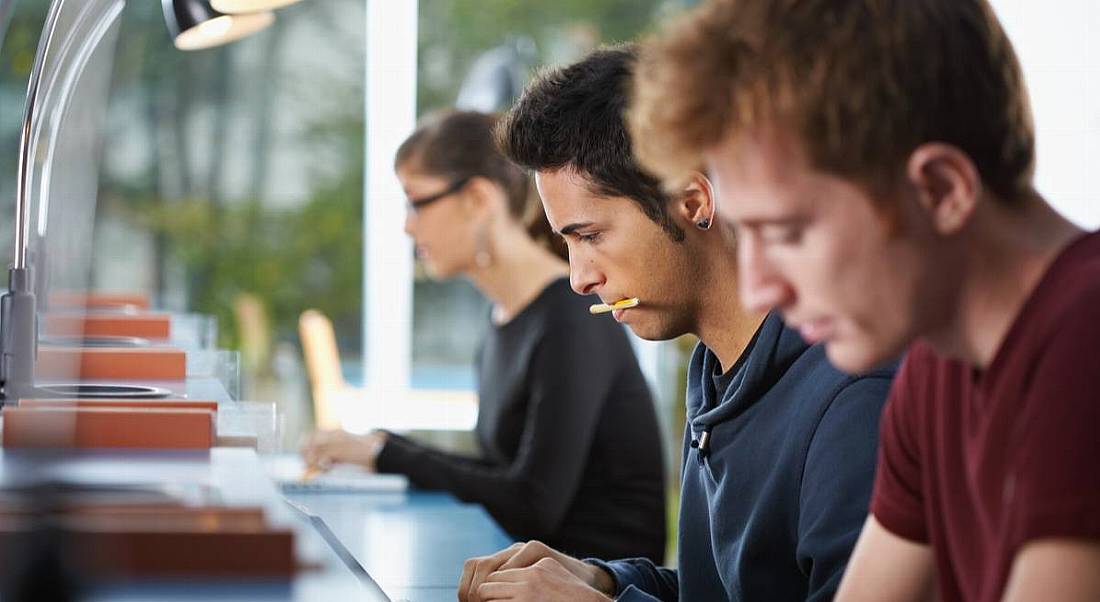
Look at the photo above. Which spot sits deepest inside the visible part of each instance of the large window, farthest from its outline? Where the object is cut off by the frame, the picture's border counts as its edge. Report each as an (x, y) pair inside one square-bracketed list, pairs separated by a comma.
[(478, 54), (422, 336), (231, 180)]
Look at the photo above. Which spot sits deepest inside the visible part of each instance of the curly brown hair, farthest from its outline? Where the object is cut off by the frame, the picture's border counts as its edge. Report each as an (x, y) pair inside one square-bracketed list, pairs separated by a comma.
[(860, 83)]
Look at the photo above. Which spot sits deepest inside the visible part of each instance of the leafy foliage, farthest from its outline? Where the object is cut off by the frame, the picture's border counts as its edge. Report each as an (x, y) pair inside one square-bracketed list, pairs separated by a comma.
[(291, 255)]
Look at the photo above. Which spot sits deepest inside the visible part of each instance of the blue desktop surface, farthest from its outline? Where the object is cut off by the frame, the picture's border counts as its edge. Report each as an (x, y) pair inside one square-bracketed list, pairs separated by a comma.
[(413, 544)]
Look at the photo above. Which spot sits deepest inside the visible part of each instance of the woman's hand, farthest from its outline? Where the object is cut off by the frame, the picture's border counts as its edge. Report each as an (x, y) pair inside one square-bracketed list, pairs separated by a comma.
[(324, 448)]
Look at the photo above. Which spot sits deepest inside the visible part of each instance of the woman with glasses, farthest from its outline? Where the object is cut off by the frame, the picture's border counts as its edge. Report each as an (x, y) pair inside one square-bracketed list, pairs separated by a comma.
[(570, 450)]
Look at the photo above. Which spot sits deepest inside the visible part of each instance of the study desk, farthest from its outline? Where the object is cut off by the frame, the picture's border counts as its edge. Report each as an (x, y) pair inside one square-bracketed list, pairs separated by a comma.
[(232, 476), (413, 544)]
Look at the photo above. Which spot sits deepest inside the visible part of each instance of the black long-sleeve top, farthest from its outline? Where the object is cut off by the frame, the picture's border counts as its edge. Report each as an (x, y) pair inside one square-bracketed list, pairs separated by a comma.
[(570, 447)]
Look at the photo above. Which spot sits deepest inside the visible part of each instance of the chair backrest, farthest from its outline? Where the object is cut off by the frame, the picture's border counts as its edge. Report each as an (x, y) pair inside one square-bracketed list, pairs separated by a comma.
[(322, 359), (254, 330)]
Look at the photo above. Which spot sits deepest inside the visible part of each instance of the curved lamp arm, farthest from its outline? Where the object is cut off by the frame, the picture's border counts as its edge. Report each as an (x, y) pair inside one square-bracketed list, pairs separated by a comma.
[(18, 315), (30, 110)]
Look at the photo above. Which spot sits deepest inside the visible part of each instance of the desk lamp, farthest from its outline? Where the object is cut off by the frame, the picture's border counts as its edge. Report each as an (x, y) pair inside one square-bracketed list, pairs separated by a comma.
[(248, 6), (193, 24)]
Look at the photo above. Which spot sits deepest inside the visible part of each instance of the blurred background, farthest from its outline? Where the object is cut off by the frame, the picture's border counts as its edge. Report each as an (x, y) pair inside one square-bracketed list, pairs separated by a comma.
[(232, 180)]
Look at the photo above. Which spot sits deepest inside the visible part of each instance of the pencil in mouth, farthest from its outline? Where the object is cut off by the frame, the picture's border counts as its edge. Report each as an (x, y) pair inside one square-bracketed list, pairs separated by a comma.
[(603, 308)]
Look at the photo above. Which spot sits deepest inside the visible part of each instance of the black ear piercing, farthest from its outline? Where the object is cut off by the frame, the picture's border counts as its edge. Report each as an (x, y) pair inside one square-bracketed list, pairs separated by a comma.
[(703, 224)]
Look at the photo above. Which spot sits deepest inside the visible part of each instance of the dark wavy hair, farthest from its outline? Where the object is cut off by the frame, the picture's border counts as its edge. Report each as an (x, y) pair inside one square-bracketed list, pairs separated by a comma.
[(573, 117)]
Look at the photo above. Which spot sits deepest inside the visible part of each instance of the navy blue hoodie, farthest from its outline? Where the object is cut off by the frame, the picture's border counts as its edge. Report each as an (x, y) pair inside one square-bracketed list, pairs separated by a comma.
[(772, 503)]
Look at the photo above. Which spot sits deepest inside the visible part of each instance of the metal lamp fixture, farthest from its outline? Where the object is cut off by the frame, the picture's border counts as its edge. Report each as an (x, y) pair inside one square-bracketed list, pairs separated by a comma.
[(248, 6), (194, 24), (71, 53)]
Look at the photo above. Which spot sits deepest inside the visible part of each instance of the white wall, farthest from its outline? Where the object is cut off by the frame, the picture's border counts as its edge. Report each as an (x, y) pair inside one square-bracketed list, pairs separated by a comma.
[(1056, 43)]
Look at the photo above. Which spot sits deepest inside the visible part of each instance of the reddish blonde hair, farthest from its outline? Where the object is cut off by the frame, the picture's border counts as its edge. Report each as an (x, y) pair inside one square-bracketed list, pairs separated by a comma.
[(860, 84)]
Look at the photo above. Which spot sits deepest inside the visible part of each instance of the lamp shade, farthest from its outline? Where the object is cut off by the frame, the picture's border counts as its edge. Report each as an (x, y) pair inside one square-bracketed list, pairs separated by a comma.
[(248, 6), (194, 24)]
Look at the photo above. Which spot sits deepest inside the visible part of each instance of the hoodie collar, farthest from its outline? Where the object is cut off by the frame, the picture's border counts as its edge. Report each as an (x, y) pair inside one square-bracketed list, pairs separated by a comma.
[(772, 350)]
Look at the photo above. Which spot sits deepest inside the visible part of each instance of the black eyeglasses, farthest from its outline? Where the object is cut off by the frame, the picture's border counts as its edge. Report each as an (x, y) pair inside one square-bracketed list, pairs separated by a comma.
[(424, 201)]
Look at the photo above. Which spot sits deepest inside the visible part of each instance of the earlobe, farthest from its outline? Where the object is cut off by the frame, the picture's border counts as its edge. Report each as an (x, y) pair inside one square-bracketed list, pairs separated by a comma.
[(947, 185), (698, 202)]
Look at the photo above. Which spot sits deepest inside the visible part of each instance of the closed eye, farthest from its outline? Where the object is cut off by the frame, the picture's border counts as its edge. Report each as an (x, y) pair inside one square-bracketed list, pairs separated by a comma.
[(782, 234), (585, 232)]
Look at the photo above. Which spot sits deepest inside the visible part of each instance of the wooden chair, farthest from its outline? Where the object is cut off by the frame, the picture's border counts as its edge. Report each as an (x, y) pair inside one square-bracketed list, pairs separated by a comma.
[(322, 359), (339, 405)]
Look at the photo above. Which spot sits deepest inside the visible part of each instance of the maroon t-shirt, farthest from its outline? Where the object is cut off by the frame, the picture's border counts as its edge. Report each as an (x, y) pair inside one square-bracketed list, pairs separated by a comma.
[(978, 464)]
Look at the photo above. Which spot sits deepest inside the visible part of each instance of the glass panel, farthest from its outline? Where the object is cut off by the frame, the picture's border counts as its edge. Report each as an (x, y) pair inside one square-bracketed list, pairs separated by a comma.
[(66, 143), (232, 186), (226, 182), (66, 50)]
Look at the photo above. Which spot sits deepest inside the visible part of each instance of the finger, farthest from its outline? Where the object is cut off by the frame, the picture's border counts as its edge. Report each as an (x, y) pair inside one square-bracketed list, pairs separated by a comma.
[(528, 554), (466, 578), (485, 565), (510, 575), (495, 561), (488, 592), (481, 571), (477, 575), (552, 566), (309, 455), (319, 457), (321, 460)]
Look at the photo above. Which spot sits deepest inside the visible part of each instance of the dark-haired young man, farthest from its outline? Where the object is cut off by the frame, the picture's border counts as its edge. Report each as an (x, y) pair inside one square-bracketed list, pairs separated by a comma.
[(779, 450), (876, 157)]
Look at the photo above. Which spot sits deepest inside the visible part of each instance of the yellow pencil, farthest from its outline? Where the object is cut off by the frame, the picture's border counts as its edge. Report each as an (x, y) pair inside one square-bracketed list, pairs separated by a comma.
[(603, 308)]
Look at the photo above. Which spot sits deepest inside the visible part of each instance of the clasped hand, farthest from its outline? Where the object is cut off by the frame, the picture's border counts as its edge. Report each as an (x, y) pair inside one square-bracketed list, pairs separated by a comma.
[(533, 572)]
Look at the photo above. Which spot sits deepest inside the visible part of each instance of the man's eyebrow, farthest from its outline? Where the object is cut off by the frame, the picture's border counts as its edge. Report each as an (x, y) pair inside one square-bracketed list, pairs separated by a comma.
[(571, 228), (758, 222)]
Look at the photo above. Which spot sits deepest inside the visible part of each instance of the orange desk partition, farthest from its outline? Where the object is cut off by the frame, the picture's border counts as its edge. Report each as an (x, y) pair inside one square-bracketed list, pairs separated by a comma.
[(135, 552), (164, 540), (84, 428), (83, 299), (121, 363), (146, 325)]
